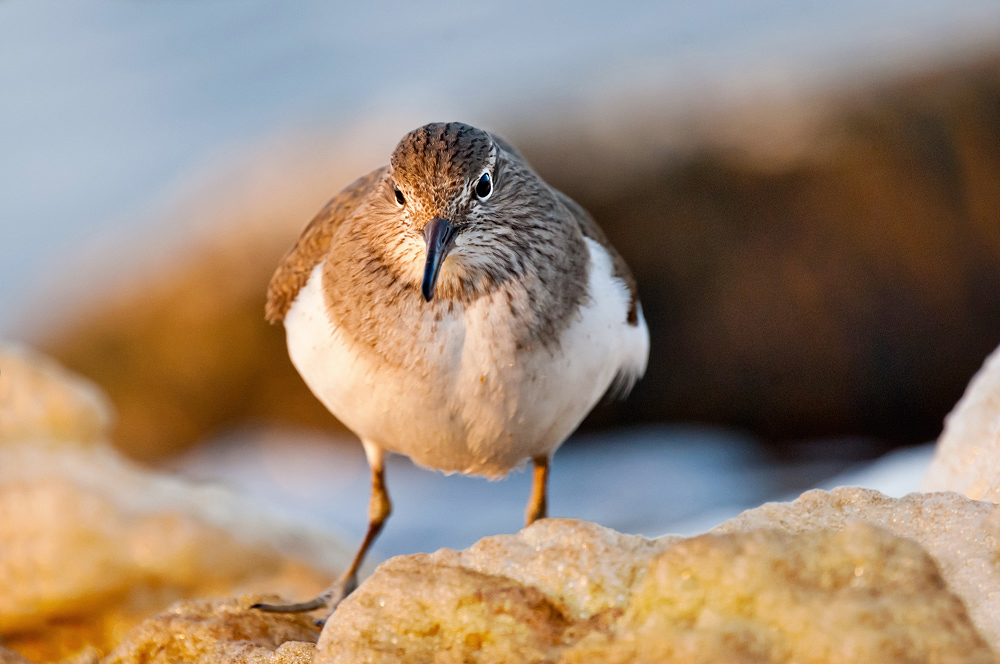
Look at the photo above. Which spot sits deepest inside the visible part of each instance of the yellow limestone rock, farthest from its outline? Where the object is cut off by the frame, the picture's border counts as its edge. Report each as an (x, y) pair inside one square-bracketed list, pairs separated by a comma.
[(589, 567), (91, 544), (842, 590), (41, 400), (507, 598), (967, 456), (217, 632), (854, 596), (961, 535), (416, 610)]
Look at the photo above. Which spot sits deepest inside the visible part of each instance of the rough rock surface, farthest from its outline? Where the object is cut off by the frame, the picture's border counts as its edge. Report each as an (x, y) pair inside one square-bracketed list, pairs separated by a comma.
[(91, 544), (961, 535), (589, 567), (858, 595), (845, 576), (967, 456), (207, 632), (810, 581)]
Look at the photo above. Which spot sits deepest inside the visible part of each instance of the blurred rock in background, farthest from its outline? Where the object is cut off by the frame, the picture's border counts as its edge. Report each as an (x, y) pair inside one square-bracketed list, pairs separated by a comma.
[(93, 544), (826, 266)]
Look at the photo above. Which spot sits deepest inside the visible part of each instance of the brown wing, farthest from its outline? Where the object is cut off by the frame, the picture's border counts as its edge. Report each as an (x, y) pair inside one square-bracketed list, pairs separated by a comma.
[(312, 245), (593, 231)]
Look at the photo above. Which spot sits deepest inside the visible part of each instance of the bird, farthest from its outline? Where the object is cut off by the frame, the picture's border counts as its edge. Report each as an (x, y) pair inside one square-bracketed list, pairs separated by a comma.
[(453, 307)]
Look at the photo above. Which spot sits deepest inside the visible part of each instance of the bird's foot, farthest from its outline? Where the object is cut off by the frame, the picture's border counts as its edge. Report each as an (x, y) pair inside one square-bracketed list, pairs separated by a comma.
[(329, 599)]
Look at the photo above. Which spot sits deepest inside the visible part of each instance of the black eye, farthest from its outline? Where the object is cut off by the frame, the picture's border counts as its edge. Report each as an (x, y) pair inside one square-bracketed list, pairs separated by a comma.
[(399, 196), (484, 187)]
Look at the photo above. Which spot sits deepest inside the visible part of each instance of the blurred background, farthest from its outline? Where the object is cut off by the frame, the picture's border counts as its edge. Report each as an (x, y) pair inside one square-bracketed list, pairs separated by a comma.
[(808, 194)]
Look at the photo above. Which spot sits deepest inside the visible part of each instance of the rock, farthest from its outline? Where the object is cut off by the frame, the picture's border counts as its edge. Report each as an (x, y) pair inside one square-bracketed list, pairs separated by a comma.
[(91, 544), (589, 567), (833, 577), (967, 456), (416, 609), (210, 632), (41, 400), (858, 595), (962, 535), (506, 598)]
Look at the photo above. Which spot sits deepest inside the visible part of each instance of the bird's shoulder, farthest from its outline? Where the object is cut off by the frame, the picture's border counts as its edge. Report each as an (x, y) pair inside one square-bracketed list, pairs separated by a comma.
[(313, 244), (592, 230)]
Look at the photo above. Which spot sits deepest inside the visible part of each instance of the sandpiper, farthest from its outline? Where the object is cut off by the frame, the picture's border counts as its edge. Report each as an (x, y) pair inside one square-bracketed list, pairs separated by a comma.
[(455, 308)]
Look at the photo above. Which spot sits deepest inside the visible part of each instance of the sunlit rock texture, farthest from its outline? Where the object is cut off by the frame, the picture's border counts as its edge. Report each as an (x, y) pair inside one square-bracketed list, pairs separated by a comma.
[(967, 456), (217, 632), (844, 588), (90, 544), (961, 535)]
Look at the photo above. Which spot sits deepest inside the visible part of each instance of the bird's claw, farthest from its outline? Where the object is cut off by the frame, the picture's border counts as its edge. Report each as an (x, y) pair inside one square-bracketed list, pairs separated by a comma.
[(329, 599)]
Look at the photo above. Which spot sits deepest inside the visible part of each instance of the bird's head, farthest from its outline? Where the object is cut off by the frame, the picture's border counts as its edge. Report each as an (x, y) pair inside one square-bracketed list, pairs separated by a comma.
[(451, 187)]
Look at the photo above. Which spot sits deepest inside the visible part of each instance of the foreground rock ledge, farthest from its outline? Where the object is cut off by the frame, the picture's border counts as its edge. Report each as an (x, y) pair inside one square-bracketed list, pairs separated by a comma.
[(828, 578), (845, 576), (219, 631)]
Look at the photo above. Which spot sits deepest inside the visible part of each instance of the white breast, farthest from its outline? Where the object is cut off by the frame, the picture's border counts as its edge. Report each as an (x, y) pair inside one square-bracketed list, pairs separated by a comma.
[(481, 405)]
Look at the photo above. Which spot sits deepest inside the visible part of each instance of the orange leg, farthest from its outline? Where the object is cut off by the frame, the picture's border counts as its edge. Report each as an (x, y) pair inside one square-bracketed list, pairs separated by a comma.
[(379, 508), (538, 503)]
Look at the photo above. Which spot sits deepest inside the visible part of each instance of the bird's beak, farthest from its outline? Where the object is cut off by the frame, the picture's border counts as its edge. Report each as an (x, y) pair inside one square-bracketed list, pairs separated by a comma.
[(439, 235)]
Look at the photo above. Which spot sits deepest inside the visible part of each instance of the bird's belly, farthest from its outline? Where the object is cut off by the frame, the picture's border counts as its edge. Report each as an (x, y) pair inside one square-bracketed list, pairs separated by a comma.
[(470, 401)]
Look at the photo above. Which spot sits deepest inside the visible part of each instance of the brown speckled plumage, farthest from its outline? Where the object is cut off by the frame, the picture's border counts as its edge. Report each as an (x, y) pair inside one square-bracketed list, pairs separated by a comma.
[(313, 244), (590, 229), (520, 234)]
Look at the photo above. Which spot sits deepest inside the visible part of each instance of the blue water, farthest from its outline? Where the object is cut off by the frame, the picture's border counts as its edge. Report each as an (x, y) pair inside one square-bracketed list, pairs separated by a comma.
[(649, 480)]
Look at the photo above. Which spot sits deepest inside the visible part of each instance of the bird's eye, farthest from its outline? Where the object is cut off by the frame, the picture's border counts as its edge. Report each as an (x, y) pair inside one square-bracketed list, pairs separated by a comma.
[(400, 201), (484, 188)]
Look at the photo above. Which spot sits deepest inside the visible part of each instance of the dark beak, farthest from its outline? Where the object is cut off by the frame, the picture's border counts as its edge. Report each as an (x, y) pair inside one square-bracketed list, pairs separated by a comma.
[(439, 235)]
